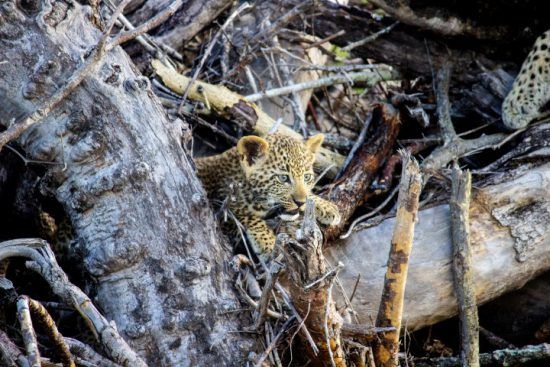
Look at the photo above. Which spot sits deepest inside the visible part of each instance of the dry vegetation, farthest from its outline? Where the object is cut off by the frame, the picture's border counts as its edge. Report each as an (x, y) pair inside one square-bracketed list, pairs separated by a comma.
[(97, 144)]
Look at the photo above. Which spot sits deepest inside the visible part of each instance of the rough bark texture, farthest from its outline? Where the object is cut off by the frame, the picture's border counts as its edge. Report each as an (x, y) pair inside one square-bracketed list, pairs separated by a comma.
[(311, 292), (127, 187), (349, 191), (509, 223), (390, 313), (185, 24), (462, 267)]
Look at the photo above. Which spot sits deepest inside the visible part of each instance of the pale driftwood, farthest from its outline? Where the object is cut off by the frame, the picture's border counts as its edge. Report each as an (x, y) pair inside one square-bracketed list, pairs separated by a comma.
[(510, 222), (127, 187)]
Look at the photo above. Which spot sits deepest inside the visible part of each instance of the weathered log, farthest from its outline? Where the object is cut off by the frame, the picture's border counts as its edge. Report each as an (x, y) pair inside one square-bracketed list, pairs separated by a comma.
[(510, 222), (127, 187)]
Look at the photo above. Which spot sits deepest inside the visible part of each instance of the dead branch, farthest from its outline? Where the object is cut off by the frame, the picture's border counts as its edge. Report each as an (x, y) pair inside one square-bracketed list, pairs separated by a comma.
[(370, 38), (370, 77), (84, 352), (42, 316), (462, 267), (10, 355), (349, 190), (273, 344), (502, 357), (43, 262), (495, 340), (272, 276), (27, 332), (147, 26), (451, 26), (232, 106), (208, 50), (364, 333), (187, 22), (453, 146), (103, 46), (391, 307), (310, 289)]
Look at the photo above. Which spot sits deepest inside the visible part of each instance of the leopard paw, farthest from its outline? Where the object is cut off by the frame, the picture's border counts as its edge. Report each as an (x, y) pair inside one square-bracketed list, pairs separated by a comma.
[(327, 213)]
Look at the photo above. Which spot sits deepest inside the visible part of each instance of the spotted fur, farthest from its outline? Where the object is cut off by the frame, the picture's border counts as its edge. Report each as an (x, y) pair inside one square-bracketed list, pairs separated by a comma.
[(531, 89), (262, 176)]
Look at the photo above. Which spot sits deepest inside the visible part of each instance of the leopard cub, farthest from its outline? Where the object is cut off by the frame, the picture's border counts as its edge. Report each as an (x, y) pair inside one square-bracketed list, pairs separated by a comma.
[(531, 90), (261, 176)]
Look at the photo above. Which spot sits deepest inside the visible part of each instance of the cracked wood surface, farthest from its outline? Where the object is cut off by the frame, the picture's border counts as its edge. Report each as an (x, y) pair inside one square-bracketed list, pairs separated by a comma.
[(522, 194), (127, 187)]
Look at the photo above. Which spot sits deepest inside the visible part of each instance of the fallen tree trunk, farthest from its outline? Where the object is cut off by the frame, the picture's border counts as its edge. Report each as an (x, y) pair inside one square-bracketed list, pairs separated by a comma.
[(509, 226), (127, 187)]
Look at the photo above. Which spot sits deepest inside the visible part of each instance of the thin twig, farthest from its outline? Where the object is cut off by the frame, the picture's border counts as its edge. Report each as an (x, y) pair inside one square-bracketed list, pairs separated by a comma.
[(15, 130), (27, 332), (370, 77), (272, 275), (274, 341), (303, 328), (148, 25), (443, 106), (370, 38), (208, 50), (341, 32), (370, 214), (358, 142)]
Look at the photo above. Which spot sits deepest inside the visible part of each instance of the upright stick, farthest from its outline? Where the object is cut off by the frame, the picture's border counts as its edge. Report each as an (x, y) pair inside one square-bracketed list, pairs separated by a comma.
[(462, 267), (391, 306)]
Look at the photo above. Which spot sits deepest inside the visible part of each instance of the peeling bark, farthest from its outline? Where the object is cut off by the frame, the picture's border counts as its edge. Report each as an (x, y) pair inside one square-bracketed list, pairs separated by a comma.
[(127, 187)]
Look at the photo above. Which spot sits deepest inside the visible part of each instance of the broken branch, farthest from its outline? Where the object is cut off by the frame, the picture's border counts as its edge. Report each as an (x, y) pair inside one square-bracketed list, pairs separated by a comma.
[(232, 106), (27, 332), (43, 262), (502, 357), (348, 192), (391, 306), (371, 77), (43, 317), (462, 267)]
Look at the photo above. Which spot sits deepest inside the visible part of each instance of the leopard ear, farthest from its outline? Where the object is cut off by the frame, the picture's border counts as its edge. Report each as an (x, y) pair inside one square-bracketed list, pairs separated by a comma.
[(314, 143), (252, 150)]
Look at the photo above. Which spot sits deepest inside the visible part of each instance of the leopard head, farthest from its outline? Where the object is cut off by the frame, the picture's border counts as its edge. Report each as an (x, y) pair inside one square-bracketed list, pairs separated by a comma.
[(279, 169)]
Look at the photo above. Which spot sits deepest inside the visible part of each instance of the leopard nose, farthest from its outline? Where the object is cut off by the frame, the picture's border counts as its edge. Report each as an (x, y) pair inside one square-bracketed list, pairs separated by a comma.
[(299, 202)]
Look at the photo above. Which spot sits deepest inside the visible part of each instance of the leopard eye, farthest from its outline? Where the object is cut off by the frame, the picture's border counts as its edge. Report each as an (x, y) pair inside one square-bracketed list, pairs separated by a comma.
[(283, 178), (308, 177)]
